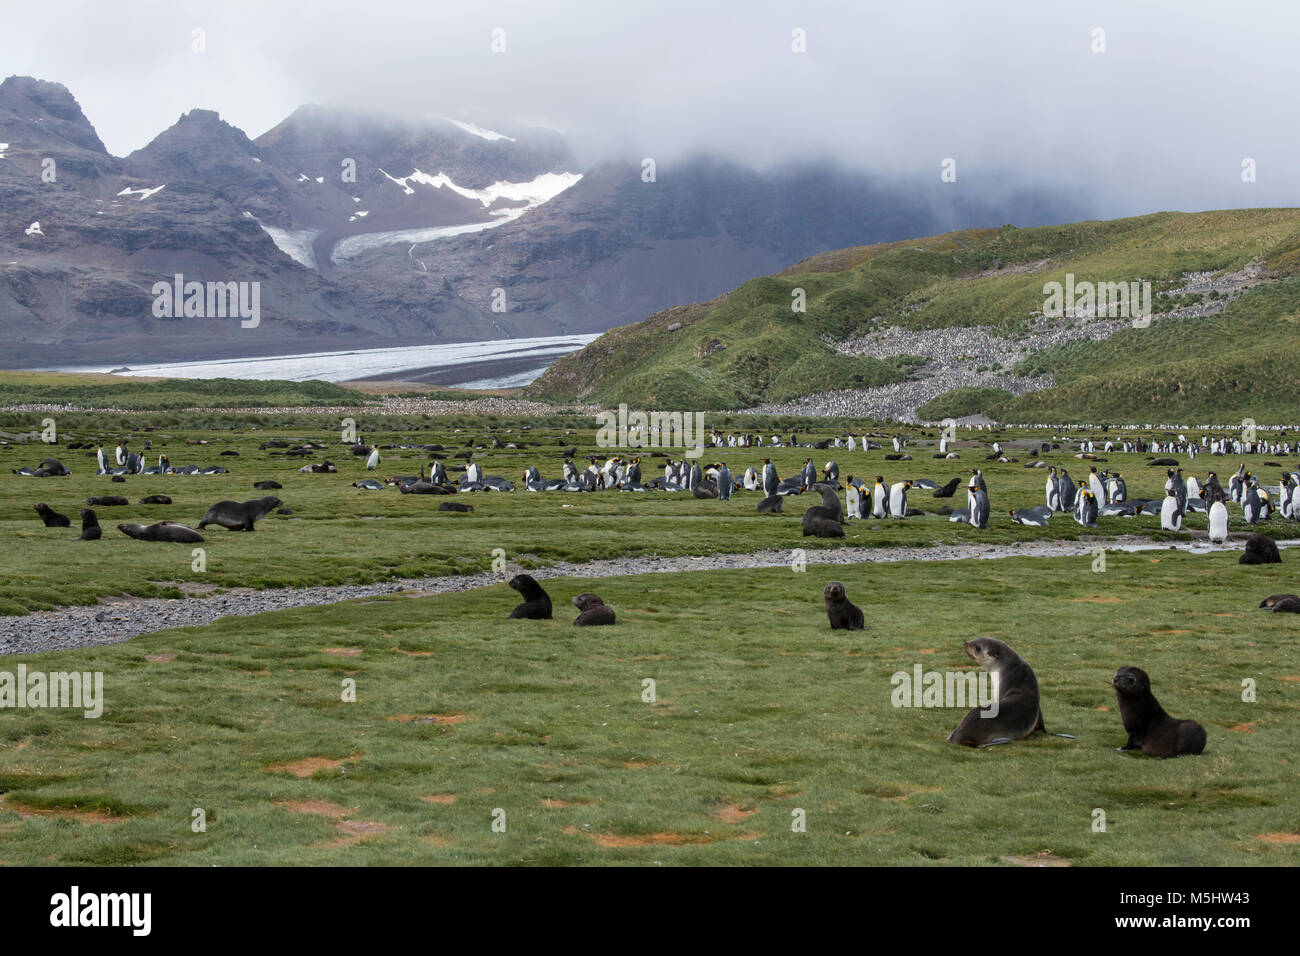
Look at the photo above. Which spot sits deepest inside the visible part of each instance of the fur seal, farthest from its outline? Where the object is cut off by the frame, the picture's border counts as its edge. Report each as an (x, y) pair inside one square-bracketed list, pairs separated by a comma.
[(162, 531), (593, 611), (454, 506), (104, 501), (844, 615), (1260, 549), (90, 530), (1273, 600), (948, 490), (537, 603), (1018, 711), (1149, 728), (237, 516), (822, 528), (267, 485), (51, 517), (156, 500), (771, 505)]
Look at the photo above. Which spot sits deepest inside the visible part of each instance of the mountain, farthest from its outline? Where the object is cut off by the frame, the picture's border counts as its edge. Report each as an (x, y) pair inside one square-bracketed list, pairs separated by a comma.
[(364, 230), (958, 324)]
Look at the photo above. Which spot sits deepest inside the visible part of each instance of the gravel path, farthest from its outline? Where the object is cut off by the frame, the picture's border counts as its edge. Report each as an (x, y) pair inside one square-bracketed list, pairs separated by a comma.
[(115, 620)]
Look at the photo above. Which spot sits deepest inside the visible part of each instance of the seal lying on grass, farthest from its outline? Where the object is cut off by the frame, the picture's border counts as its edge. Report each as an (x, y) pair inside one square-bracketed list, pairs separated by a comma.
[(594, 611), (162, 531)]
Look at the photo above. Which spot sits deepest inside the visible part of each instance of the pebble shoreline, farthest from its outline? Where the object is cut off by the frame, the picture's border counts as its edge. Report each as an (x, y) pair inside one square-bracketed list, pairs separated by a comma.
[(115, 620)]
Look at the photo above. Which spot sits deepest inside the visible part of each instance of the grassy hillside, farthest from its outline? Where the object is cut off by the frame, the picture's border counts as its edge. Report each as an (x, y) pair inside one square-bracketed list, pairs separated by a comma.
[(750, 346), (101, 391)]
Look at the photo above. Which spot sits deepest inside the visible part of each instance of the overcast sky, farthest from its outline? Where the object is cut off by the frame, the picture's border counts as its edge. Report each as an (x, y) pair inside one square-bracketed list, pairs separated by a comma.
[(1162, 119)]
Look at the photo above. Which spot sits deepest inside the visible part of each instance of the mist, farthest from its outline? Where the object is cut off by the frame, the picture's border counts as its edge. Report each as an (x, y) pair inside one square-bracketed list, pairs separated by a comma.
[(1158, 110)]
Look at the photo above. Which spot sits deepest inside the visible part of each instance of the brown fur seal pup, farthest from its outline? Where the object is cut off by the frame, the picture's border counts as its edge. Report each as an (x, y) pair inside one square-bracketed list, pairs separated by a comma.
[(770, 505), (1289, 604), (239, 516), (948, 490), (1273, 600), (90, 530), (51, 517), (1149, 727), (537, 603), (104, 501), (843, 613), (1260, 549), (267, 485), (594, 611), (454, 506), (1018, 713), (822, 528), (162, 531), (156, 500)]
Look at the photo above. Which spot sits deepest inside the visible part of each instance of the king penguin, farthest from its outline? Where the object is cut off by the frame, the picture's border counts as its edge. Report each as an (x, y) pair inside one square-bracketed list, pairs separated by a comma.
[(1218, 522), (1171, 516), (880, 498)]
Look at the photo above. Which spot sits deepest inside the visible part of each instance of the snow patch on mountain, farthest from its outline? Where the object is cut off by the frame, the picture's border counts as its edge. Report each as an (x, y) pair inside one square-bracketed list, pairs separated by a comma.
[(3, 147), (294, 243), (480, 131), (533, 193), (143, 193), (33, 230)]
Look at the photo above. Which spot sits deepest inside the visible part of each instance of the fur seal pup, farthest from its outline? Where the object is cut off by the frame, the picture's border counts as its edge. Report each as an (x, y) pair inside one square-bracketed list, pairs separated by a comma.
[(51, 517), (822, 528), (1149, 728), (267, 485), (844, 615), (1260, 549), (771, 505), (237, 516), (593, 611), (948, 490), (454, 506), (90, 529), (156, 500), (162, 531), (1273, 600), (537, 603), (1018, 712), (104, 501)]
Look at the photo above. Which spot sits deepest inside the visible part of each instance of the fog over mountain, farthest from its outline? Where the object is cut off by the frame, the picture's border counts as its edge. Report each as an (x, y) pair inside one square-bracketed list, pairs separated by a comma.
[(1162, 119), (426, 172)]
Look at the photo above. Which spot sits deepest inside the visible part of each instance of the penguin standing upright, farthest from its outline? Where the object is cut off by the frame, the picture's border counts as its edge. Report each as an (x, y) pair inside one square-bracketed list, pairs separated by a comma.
[(831, 473), (1171, 516), (438, 472), (897, 445), (372, 462), (696, 475), (1094, 484), (770, 481), (120, 454), (852, 502), (979, 506), (633, 475), (724, 482), (101, 460), (1178, 486), (1251, 505), (809, 473), (1218, 522), (880, 497), (1053, 490), (1069, 491), (898, 499), (750, 480), (1087, 515)]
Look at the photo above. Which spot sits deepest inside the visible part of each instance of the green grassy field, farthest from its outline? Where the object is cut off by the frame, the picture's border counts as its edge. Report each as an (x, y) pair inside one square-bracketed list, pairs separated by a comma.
[(760, 710), (749, 346)]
